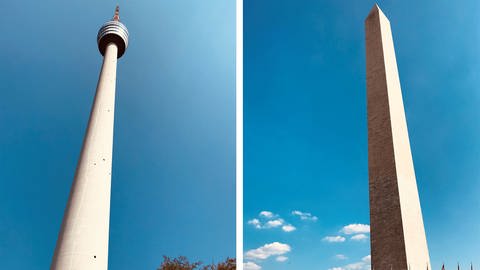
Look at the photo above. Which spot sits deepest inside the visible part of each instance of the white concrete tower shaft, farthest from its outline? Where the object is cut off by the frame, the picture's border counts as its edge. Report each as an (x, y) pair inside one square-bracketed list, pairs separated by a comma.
[(398, 240), (83, 239)]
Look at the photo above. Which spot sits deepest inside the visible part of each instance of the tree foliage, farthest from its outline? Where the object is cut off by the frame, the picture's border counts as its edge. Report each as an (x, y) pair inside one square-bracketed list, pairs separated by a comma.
[(182, 263)]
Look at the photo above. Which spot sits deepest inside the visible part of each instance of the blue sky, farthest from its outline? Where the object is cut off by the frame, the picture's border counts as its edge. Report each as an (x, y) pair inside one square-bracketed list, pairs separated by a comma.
[(173, 184), (306, 137)]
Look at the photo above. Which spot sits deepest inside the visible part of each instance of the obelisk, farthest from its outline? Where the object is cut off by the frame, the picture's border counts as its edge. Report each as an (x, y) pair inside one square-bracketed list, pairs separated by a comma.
[(83, 239), (398, 240)]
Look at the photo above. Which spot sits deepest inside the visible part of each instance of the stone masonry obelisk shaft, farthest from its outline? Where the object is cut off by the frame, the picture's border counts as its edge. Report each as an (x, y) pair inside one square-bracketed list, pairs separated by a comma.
[(398, 238), (83, 239)]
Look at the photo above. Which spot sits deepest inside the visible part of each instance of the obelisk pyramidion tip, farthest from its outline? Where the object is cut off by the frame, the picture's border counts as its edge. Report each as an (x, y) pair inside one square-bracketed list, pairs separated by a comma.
[(375, 9)]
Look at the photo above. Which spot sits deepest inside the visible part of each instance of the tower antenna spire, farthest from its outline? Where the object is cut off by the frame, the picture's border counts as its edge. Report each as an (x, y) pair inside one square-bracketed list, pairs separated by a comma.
[(116, 17)]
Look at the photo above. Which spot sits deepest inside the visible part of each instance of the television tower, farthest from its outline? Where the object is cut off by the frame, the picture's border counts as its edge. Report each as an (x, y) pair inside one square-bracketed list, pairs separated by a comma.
[(83, 239)]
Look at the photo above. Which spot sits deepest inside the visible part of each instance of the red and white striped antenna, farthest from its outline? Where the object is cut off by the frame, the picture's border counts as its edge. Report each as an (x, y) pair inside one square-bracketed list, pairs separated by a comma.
[(116, 17)]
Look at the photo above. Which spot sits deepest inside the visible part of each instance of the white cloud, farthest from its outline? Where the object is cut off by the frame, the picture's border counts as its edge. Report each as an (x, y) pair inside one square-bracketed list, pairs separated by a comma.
[(288, 228), (304, 216), (251, 266), (266, 214), (364, 264), (355, 266), (334, 239), (356, 228), (267, 250), (352, 266), (359, 237), (281, 259), (274, 223), (269, 220), (341, 257), (256, 223)]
